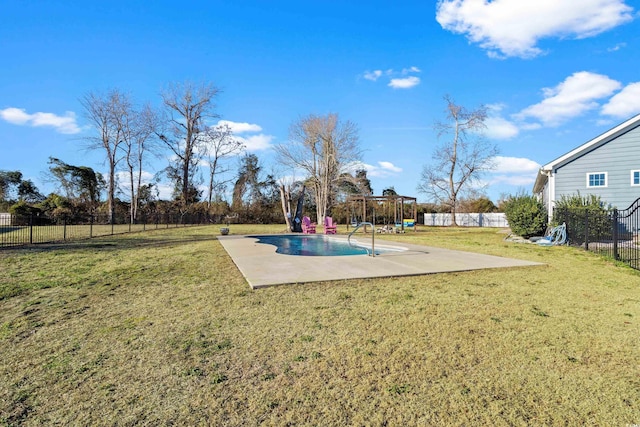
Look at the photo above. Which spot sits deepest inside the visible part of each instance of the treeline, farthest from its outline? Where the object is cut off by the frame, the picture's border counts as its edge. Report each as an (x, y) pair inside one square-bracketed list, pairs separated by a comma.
[(129, 135), (256, 198)]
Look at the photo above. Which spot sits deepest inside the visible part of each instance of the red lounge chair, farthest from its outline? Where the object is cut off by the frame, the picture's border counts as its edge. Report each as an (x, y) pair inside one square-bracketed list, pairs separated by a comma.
[(330, 227), (308, 227)]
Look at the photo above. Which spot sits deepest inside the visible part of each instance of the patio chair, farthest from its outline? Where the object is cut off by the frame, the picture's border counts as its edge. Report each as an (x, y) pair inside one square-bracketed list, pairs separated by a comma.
[(330, 227), (308, 227)]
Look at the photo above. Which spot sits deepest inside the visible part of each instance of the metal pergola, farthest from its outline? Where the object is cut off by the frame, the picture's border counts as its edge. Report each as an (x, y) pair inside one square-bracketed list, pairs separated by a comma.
[(398, 206)]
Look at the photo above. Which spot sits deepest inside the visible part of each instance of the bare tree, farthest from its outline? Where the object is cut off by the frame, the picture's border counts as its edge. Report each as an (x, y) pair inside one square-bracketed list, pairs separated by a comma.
[(187, 107), (103, 111), (288, 186), (219, 144), (137, 141), (323, 147), (459, 162), (285, 203)]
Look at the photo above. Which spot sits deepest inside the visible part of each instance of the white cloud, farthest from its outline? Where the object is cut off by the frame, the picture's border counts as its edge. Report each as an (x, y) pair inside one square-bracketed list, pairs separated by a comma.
[(388, 166), (500, 128), (17, 116), (352, 167), (397, 79), (514, 165), (530, 126), (404, 83), (617, 47), (406, 71), (516, 171), (384, 169), (257, 142), (514, 180), (165, 191), (251, 142), (513, 28), (575, 95), (63, 124), (625, 103), (238, 127), (373, 75)]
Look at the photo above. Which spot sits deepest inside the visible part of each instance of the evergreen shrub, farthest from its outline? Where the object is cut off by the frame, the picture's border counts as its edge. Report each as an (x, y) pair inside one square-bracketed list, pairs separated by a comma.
[(527, 215)]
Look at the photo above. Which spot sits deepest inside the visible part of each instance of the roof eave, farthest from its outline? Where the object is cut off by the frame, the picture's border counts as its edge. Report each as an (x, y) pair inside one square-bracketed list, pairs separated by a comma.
[(541, 181)]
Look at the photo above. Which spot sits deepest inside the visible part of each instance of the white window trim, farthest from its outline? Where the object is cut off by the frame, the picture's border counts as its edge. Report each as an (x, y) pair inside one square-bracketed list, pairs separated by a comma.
[(631, 178), (606, 180)]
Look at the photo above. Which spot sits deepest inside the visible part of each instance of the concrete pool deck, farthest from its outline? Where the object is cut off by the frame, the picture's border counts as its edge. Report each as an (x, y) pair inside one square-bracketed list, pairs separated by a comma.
[(262, 266)]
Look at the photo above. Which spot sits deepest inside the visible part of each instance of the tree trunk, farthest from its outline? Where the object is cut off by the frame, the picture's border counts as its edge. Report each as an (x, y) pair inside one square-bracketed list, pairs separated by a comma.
[(185, 182), (285, 201), (212, 173), (132, 205), (111, 204), (210, 195), (138, 185), (452, 171), (454, 223)]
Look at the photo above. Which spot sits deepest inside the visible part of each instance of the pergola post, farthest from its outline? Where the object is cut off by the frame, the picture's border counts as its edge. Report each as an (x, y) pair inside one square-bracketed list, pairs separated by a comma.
[(396, 211)]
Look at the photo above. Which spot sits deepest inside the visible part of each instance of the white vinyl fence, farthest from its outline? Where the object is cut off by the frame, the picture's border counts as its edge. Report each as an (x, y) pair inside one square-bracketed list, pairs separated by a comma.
[(467, 219)]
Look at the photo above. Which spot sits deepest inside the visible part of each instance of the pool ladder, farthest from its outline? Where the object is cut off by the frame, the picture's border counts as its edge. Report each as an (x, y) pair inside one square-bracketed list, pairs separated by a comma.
[(373, 238)]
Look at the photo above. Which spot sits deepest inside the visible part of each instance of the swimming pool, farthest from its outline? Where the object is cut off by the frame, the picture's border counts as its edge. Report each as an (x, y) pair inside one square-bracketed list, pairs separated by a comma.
[(318, 245)]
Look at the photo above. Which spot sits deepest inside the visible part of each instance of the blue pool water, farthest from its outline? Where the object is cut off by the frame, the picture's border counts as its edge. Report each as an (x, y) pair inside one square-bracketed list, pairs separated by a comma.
[(317, 245)]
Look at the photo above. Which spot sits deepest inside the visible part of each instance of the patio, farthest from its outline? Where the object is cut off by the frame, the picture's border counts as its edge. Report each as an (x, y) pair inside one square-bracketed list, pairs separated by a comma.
[(262, 266)]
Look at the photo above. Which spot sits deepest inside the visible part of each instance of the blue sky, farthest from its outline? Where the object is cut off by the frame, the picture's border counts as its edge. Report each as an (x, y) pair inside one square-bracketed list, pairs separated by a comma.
[(554, 74)]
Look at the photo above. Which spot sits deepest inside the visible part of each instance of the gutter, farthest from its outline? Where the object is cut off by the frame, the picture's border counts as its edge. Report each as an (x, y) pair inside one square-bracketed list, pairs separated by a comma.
[(541, 180)]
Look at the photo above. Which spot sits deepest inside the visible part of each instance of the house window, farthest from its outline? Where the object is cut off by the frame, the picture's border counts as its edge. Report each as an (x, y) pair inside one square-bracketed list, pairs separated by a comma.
[(598, 179), (635, 177)]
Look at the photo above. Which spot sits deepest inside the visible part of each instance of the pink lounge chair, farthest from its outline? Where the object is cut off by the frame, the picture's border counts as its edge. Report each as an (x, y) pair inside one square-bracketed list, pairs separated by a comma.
[(330, 227), (308, 227)]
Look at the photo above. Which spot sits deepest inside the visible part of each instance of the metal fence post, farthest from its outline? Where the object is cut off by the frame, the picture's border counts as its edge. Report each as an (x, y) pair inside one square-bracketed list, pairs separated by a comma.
[(586, 229), (614, 224), (31, 229)]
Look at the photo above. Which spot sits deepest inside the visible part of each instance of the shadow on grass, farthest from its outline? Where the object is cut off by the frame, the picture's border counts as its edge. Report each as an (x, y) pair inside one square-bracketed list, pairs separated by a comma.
[(41, 257), (117, 242)]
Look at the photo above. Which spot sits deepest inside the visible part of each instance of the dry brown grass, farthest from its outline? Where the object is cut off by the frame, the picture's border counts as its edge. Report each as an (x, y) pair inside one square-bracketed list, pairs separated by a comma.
[(160, 328)]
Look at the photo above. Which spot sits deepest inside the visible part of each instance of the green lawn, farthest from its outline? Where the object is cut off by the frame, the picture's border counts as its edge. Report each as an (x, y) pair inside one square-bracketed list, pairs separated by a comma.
[(160, 328)]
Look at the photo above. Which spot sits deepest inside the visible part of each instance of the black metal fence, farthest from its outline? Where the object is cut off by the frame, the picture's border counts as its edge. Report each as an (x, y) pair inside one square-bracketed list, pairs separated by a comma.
[(614, 234), (20, 230)]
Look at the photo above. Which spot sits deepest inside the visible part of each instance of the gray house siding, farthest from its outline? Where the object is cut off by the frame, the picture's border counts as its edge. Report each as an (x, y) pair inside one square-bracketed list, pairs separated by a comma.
[(617, 158)]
